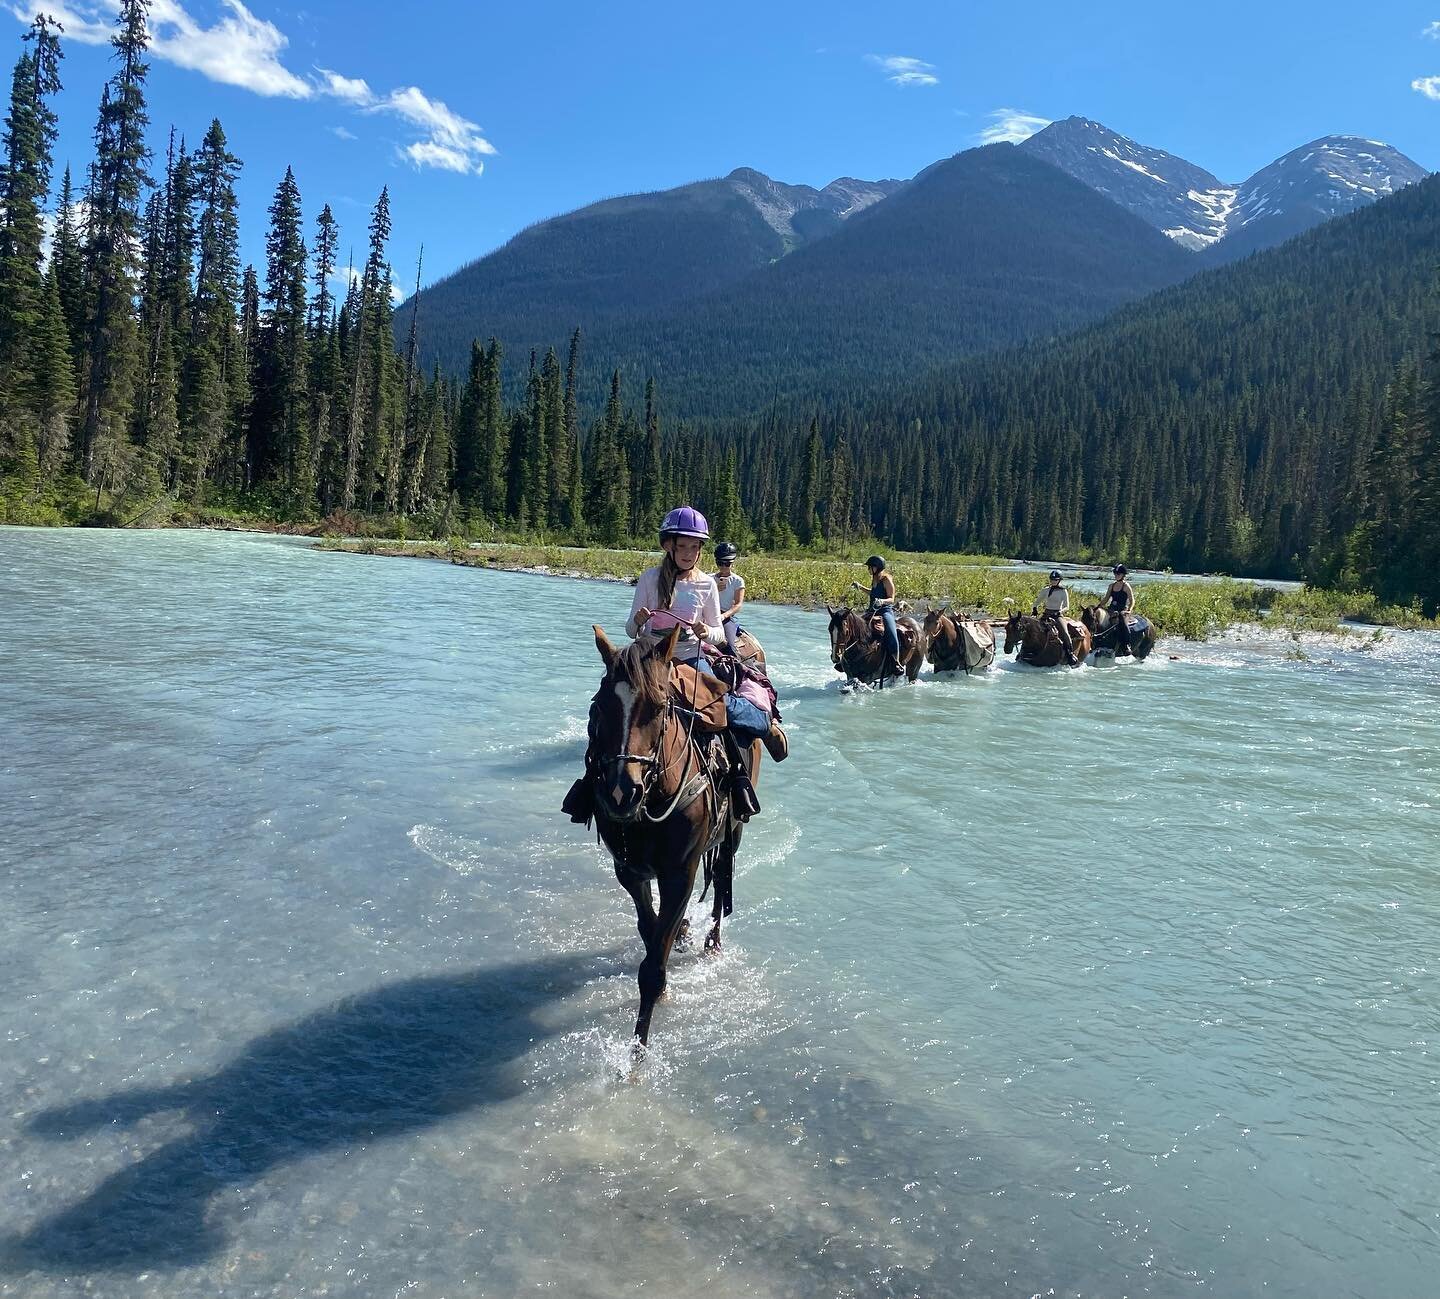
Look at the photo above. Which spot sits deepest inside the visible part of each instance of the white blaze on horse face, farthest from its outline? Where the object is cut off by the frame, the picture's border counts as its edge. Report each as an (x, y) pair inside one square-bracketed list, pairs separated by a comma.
[(625, 693)]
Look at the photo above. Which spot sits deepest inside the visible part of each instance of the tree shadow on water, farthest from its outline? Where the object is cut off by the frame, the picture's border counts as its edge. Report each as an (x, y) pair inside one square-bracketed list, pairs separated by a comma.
[(386, 1062)]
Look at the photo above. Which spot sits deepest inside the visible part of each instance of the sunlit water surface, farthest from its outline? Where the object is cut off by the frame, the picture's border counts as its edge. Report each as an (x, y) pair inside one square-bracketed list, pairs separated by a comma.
[(1113, 982)]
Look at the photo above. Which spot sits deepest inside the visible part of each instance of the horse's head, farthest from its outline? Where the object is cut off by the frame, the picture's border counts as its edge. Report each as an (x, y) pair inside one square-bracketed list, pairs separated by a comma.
[(935, 621), (1093, 618), (844, 632), (1014, 630), (628, 720)]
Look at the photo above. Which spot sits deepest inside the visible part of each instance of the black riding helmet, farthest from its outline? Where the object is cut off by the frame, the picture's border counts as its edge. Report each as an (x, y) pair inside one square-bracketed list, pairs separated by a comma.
[(726, 552), (876, 561), (1120, 570), (1055, 575)]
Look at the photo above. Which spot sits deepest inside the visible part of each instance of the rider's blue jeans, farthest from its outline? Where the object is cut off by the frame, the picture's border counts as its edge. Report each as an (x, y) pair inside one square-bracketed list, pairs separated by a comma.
[(892, 633), (747, 720)]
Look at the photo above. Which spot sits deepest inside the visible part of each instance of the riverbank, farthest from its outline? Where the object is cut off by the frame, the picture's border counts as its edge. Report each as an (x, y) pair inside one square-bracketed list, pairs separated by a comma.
[(1190, 608)]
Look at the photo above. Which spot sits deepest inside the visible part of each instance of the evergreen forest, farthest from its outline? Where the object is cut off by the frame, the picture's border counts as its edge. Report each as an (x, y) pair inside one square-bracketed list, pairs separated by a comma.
[(1279, 416)]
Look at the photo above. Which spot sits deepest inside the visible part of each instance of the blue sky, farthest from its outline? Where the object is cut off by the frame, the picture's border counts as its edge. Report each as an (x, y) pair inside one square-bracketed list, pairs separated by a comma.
[(485, 118)]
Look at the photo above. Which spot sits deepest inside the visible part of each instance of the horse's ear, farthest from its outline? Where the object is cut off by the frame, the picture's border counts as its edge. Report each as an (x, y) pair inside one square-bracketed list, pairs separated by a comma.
[(666, 648), (829, 610), (608, 652)]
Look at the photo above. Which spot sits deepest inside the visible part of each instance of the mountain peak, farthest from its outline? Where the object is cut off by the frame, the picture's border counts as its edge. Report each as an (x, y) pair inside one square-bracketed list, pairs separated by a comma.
[(800, 212), (1327, 177), (1184, 201)]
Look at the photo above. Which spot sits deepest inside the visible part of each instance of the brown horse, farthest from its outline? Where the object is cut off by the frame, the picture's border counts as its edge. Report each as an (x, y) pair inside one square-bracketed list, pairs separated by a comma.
[(1039, 642), (858, 652), (1101, 623), (951, 649), (662, 803)]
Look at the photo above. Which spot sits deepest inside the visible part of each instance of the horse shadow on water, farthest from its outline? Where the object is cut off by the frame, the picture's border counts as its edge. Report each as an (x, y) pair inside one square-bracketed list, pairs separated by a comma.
[(394, 1060)]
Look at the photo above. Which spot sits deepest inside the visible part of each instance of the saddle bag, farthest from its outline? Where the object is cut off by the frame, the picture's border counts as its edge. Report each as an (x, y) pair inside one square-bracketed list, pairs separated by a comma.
[(703, 695)]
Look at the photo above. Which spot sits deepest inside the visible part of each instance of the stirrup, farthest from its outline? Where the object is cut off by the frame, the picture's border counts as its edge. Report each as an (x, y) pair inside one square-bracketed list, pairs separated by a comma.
[(743, 802)]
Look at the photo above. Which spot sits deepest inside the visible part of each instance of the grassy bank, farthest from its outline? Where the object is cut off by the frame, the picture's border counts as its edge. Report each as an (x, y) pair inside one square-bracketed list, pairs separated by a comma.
[(1190, 609)]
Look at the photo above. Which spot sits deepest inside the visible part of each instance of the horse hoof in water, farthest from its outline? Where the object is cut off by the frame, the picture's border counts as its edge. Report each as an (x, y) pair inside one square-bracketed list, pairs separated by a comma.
[(712, 942), (682, 939)]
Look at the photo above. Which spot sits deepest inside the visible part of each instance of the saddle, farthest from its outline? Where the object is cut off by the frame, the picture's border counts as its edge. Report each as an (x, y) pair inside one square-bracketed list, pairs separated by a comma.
[(906, 630)]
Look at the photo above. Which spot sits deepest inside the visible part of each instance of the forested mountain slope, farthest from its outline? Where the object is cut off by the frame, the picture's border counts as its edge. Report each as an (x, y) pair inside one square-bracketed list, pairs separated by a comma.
[(980, 251), (1240, 420), (637, 254)]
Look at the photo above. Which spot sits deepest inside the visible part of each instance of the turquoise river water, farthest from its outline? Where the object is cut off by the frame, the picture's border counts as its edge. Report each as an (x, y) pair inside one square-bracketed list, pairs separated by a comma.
[(1111, 982)]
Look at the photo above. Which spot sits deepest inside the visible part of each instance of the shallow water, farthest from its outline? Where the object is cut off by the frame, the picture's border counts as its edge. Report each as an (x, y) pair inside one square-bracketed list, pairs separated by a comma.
[(1113, 982)]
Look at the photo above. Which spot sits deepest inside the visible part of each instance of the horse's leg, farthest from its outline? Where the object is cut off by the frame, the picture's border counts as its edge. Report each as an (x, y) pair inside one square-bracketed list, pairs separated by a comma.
[(638, 887), (724, 866), (676, 884), (724, 872)]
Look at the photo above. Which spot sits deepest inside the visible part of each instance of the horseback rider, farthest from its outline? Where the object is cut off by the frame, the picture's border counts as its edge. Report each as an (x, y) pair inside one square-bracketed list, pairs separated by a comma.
[(732, 590), (1054, 604), (1120, 599), (882, 602), (678, 593)]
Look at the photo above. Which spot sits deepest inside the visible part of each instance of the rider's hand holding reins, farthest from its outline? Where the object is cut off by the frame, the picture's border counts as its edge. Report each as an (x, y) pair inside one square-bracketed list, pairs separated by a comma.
[(642, 616)]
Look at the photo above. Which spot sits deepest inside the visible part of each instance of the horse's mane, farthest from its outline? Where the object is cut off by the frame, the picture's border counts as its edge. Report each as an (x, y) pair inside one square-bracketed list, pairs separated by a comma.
[(648, 673)]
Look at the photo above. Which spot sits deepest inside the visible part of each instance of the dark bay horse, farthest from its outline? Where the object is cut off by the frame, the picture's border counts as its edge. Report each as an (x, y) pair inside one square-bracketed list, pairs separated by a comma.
[(859, 653), (958, 644), (662, 803), (1101, 624), (1039, 642)]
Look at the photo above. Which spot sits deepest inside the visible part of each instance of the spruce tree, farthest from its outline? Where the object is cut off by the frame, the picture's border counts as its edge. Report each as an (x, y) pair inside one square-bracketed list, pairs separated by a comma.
[(495, 441), (215, 376), (808, 512), (280, 428), (30, 131), (118, 176)]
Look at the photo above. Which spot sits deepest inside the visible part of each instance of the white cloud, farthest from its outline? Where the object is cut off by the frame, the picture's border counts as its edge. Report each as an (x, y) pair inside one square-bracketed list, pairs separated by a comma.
[(239, 50), (88, 22), (341, 133), (905, 71), (1432, 31), (1427, 86), (353, 90), (453, 143), (1010, 126), (426, 153), (243, 50)]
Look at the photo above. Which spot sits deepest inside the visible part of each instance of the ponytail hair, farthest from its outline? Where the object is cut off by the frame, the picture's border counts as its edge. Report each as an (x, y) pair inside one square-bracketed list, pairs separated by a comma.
[(669, 575)]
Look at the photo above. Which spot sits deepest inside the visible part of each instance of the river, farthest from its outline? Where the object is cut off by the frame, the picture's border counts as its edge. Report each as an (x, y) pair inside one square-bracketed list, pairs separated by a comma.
[(1111, 982)]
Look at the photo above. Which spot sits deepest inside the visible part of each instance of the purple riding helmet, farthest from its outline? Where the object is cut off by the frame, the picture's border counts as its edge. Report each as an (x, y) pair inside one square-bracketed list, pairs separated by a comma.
[(685, 522)]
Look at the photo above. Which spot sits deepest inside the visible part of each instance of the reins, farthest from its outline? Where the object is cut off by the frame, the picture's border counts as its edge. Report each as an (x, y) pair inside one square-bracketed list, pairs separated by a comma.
[(652, 763)]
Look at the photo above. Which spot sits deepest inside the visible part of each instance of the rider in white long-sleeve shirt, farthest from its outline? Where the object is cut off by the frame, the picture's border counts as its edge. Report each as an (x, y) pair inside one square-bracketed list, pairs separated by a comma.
[(1054, 604)]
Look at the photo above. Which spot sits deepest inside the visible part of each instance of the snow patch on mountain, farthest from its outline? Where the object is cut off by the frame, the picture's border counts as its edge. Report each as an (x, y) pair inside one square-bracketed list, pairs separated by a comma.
[(1323, 179)]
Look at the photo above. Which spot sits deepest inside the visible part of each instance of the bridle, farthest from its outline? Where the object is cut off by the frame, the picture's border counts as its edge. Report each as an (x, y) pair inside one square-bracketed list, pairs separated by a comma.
[(650, 763), (854, 626)]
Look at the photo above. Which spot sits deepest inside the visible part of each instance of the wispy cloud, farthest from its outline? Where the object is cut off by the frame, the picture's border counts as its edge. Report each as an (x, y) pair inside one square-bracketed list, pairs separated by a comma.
[(341, 133), (905, 71), (353, 90), (1427, 86), (451, 141), (242, 50), (1432, 31), (239, 50), (1010, 126), (87, 23)]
